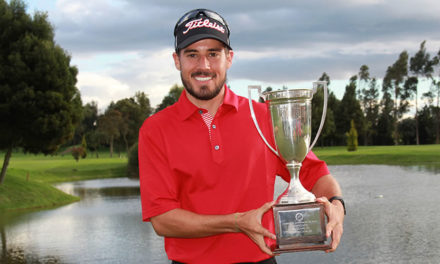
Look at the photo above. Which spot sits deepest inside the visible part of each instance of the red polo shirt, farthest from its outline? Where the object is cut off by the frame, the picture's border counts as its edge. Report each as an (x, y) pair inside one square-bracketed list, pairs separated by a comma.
[(226, 170)]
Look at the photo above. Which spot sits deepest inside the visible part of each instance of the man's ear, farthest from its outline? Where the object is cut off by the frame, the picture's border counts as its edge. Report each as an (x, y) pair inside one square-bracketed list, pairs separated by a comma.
[(229, 57), (176, 61)]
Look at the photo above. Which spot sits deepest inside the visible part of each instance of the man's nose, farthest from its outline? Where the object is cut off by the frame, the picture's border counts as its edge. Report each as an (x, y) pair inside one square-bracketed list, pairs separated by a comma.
[(204, 62)]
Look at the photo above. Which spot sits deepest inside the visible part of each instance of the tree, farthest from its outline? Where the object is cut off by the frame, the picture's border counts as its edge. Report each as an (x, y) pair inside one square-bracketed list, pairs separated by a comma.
[(89, 118), (39, 103), (109, 125), (134, 111), (422, 66), (369, 99), (78, 152), (352, 137), (364, 79), (84, 146), (385, 123), (170, 98), (349, 109), (427, 125), (393, 84), (268, 89), (328, 131), (407, 131), (433, 96), (133, 162)]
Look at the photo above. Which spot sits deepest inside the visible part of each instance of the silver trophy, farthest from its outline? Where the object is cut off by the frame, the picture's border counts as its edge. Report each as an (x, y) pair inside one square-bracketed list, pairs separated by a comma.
[(299, 219)]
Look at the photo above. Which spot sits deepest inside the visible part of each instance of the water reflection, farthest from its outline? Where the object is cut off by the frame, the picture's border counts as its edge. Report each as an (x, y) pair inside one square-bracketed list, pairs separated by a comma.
[(392, 218), (18, 256), (433, 168), (104, 227)]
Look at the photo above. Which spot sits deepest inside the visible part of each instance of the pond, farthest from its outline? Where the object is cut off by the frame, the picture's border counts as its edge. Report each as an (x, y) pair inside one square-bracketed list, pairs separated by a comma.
[(392, 217)]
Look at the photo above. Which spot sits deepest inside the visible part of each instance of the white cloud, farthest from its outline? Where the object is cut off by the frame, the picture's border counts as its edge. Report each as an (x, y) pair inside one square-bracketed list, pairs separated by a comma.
[(107, 77), (121, 47), (101, 88)]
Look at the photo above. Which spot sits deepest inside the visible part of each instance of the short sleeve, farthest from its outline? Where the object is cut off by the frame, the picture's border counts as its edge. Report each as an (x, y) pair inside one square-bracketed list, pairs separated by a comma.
[(312, 169), (157, 184)]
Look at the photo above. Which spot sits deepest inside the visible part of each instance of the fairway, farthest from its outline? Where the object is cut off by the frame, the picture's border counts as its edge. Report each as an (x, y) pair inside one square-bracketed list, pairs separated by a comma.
[(29, 179), (424, 155)]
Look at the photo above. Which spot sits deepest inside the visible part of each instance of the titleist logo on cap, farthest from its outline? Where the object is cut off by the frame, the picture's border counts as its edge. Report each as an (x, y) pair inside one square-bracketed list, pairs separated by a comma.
[(199, 23)]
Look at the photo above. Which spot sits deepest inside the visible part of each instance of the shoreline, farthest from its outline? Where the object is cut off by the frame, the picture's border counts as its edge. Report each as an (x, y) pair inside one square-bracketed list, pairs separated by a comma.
[(29, 180)]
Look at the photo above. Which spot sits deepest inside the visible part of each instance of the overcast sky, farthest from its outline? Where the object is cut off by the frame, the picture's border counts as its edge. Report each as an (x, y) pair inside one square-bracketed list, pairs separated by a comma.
[(124, 46)]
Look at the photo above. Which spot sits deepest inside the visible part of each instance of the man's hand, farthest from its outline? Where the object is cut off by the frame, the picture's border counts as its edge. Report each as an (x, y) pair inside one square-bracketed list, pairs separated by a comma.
[(250, 224), (335, 214)]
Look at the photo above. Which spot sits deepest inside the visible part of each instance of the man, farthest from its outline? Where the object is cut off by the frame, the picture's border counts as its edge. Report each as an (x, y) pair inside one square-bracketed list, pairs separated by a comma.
[(207, 178)]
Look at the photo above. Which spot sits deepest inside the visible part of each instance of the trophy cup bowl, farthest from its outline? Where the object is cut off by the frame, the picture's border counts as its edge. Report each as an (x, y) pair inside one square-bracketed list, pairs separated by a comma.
[(299, 219)]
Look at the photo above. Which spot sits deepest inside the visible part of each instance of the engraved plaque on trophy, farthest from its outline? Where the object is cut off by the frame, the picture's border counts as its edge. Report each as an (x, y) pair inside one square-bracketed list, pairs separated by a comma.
[(299, 219)]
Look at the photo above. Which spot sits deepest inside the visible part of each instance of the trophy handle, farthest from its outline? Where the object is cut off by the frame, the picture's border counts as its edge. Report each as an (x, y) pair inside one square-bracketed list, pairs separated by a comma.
[(324, 109), (254, 118)]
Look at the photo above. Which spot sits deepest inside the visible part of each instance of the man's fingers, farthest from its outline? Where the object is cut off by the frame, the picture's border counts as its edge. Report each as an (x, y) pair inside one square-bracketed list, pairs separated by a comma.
[(334, 226), (267, 206), (268, 234), (260, 242), (323, 200)]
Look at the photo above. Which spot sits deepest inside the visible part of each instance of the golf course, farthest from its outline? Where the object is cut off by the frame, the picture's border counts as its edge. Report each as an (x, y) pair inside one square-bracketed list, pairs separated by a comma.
[(30, 178)]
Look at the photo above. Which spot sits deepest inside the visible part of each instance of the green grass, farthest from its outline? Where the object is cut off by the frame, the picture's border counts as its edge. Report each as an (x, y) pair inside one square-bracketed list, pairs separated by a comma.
[(29, 178), (424, 155)]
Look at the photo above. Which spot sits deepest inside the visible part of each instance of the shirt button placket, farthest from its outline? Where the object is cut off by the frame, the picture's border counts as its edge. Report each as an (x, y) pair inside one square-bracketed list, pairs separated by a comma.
[(216, 147), (216, 143)]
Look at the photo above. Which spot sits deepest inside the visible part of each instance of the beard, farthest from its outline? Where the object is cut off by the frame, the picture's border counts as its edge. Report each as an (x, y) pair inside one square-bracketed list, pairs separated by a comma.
[(205, 93)]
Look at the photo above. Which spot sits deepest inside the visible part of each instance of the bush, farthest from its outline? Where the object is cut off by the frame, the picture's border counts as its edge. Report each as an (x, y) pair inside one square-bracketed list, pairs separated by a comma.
[(133, 162), (84, 147), (352, 138), (78, 152)]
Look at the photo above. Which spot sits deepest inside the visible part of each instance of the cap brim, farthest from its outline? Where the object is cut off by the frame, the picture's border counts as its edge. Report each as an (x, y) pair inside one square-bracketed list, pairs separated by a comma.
[(195, 38)]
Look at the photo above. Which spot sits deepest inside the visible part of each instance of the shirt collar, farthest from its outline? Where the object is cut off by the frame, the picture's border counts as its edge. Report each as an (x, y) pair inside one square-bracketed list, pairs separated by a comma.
[(185, 108)]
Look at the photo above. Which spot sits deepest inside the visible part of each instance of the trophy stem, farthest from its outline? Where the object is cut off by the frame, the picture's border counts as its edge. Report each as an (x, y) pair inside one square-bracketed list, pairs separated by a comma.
[(296, 193)]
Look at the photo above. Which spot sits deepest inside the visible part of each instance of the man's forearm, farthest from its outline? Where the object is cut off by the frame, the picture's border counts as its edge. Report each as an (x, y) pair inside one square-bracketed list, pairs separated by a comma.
[(185, 224), (327, 186)]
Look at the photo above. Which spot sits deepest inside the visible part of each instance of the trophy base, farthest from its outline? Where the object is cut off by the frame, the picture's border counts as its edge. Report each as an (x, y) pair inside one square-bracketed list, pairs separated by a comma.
[(300, 227), (301, 248)]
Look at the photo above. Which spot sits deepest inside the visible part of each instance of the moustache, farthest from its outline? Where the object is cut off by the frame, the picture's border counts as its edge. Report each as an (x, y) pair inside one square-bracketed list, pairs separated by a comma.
[(203, 74)]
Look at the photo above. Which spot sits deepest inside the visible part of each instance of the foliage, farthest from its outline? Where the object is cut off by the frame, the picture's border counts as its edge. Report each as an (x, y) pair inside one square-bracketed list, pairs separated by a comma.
[(370, 106), (393, 88), (170, 98), (421, 65), (84, 147), (78, 152), (88, 123), (428, 122), (111, 125), (349, 109), (407, 131), (352, 137), (39, 103), (133, 162), (133, 112), (329, 128)]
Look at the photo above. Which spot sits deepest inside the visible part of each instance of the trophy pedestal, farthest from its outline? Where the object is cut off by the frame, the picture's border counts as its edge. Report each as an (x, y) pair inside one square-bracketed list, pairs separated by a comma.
[(299, 227)]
